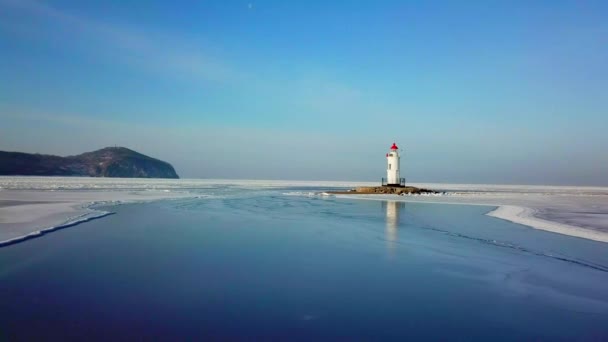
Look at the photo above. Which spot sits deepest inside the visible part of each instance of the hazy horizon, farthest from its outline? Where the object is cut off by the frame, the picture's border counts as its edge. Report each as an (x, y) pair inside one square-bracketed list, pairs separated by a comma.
[(494, 93)]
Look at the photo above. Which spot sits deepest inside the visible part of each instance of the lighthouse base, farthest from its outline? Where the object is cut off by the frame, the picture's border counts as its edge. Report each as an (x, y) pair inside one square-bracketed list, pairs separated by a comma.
[(386, 190), (385, 181)]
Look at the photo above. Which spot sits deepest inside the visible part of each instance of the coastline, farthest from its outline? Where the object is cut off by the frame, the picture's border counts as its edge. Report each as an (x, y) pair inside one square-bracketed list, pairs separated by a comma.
[(28, 214), (527, 217), (50, 229), (33, 206), (523, 208)]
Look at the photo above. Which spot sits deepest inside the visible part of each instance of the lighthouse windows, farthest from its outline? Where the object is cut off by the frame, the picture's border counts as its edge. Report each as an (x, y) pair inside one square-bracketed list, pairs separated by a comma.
[(389, 166)]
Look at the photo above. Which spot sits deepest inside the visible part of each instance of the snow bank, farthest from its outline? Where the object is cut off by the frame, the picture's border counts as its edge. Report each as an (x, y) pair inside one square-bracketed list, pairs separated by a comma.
[(526, 217), (575, 211), (32, 213), (35, 204), (71, 222)]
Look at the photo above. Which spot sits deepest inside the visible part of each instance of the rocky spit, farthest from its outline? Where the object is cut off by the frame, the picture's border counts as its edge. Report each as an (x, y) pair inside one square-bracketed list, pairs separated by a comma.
[(386, 190)]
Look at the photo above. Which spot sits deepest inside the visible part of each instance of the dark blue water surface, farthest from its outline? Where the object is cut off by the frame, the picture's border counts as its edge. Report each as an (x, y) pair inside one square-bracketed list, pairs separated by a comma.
[(266, 265)]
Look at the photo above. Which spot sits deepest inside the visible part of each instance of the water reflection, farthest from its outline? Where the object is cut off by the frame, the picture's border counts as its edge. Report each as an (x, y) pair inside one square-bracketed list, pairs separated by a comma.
[(392, 224)]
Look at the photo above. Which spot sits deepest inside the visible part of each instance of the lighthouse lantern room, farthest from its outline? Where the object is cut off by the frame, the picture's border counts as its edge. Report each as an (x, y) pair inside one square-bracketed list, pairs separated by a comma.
[(392, 169)]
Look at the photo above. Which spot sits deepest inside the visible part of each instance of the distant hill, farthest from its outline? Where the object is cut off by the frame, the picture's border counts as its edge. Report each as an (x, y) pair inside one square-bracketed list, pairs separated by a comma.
[(107, 162)]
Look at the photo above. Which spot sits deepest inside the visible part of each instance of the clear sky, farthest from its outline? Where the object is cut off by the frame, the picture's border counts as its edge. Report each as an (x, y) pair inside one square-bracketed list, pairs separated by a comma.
[(473, 91)]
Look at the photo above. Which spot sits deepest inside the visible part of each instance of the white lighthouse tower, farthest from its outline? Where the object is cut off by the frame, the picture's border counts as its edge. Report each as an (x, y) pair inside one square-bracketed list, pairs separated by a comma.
[(392, 168)]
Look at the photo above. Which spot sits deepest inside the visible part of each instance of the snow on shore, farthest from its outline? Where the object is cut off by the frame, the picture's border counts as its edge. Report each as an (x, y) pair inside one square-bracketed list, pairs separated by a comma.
[(526, 217), (575, 211), (29, 205), (29, 213)]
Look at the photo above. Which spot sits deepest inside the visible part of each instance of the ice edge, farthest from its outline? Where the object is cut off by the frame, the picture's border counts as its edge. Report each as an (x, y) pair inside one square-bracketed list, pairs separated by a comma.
[(97, 214), (512, 213), (526, 217)]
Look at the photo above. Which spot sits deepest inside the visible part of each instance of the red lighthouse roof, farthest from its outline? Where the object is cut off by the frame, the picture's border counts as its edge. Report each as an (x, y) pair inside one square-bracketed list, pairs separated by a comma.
[(394, 147)]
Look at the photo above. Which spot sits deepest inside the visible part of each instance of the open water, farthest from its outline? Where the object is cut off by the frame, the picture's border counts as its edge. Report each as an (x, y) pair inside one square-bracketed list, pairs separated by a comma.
[(288, 264)]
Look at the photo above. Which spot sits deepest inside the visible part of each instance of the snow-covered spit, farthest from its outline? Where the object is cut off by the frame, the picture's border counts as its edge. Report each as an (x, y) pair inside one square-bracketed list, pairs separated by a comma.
[(576, 211), (31, 206), (29, 213)]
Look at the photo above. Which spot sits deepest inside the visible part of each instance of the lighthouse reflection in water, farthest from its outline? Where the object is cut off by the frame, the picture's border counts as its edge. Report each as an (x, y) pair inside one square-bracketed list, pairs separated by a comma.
[(392, 224)]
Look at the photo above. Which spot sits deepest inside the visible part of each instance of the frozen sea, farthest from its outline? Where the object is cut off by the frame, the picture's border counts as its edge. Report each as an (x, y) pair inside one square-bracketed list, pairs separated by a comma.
[(288, 263)]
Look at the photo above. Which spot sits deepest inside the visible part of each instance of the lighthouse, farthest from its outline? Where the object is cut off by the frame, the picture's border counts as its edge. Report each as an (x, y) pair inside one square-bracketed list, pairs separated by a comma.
[(392, 167)]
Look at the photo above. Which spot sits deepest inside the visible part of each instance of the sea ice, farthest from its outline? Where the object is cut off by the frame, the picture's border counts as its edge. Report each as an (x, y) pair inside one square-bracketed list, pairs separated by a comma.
[(31, 204), (568, 210)]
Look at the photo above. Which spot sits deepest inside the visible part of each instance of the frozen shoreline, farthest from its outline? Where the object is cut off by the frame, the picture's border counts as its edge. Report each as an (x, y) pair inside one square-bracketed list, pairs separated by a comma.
[(69, 223), (32, 206), (525, 216), (574, 211), (32, 213)]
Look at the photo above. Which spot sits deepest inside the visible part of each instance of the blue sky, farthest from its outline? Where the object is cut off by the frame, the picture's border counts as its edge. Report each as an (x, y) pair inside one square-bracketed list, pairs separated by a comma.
[(474, 91)]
